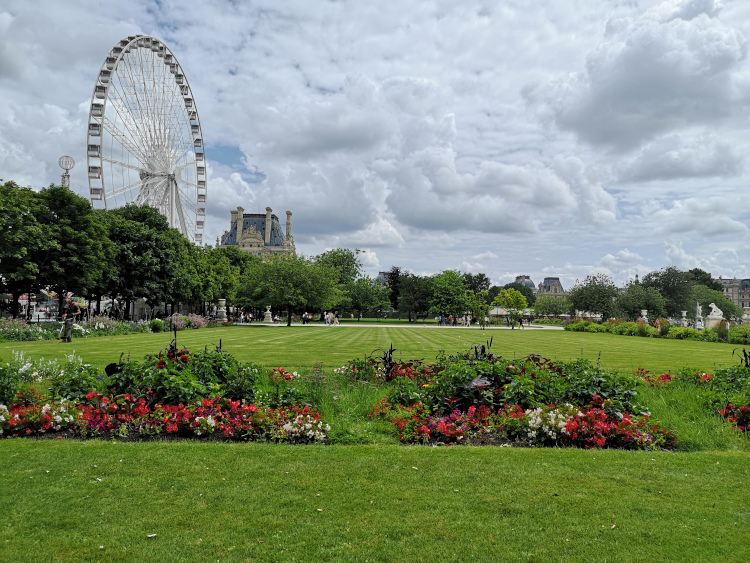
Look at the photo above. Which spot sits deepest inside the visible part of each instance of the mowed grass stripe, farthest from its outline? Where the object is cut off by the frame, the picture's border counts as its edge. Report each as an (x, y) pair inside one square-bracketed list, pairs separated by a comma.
[(240, 502), (333, 346)]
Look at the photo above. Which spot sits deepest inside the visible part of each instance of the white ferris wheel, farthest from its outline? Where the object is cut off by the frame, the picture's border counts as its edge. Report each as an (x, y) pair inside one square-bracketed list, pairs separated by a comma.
[(145, 144)]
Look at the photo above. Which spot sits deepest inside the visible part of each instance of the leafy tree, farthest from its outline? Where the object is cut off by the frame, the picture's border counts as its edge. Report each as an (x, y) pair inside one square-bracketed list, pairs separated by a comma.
[(348, 267), (416, 292), (526, 291), (291, 283), (477, 303), (476, 282), (75, 258), (448, 293), (701, 277), (637, 297), (139, 254), (550, 306), (368, 294), (345, 262), (513, 301), (705, 296), (595, 294), (493, 292), (22, 237), (674, 286), (392, 282), (239, 258)]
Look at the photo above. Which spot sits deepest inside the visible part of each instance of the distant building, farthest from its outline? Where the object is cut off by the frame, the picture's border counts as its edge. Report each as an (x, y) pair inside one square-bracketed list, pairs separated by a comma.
[(525, 280), (258, 234), (551, 286), (737, 291)]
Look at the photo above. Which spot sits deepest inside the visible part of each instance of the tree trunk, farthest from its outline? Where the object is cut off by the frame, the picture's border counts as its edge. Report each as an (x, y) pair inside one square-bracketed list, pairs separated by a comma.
[(14, 303), (289, 317)]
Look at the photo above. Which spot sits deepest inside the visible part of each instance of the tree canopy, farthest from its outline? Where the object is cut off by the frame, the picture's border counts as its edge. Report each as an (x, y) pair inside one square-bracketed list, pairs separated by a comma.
[(637, 297), (526, 291), (673, 285), (448, 293), (513, 301), (595, 295)]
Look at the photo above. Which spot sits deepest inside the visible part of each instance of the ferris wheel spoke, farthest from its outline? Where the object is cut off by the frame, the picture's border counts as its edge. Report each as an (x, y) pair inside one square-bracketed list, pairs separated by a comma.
[(151, 191), (126, 113), (124, 189), (122, 164), (181, 214), (124, 140)]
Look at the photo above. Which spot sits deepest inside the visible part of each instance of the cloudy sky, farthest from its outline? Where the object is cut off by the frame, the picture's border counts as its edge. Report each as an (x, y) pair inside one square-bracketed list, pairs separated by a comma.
[(507, 137)]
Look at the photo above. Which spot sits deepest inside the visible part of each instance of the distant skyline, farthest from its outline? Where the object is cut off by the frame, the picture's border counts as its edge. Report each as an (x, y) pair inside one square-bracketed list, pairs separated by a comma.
[(558, 139)]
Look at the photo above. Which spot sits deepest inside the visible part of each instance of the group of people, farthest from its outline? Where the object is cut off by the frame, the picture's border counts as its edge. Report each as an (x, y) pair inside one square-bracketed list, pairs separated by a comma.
[(331, 318), (243, 318), (450, 320)]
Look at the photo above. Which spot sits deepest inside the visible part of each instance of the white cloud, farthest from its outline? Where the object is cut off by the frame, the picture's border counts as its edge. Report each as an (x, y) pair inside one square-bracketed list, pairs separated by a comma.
[(673, 67), (404, 127)]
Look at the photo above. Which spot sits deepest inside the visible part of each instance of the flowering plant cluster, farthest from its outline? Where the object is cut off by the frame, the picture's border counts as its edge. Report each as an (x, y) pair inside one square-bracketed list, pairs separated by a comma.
[(19, 329), (589, 427), (280, 374), (31, 414), (127, 416), (739, 417), (659, 380)]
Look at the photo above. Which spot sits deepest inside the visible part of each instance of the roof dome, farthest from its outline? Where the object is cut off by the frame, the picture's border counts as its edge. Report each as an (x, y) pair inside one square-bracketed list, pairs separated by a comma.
[(525, 280)]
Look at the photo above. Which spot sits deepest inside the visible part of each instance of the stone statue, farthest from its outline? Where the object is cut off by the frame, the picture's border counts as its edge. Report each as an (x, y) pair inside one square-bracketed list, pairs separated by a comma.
[(698, 310), (715, 311)]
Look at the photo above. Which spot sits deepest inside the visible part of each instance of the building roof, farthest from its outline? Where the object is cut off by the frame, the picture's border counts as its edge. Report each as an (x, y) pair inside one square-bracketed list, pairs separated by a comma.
[(525, 280), (257, 220)]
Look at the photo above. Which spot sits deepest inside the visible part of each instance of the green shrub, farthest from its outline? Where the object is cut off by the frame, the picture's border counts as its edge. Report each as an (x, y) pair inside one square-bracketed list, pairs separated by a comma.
[(682, 333), (739, 334), (157, 325), (75, 380), (10, 383), (722, 332)]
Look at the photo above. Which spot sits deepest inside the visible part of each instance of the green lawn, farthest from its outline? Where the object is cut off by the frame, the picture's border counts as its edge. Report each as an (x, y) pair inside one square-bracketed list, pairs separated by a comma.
[(381, 501), (306, 345), (248, 502)]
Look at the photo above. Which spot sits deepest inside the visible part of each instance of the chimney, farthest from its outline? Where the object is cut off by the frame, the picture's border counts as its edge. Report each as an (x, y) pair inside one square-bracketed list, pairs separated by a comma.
[(268, 226), (288, 224), (233, 219), (241, 222)]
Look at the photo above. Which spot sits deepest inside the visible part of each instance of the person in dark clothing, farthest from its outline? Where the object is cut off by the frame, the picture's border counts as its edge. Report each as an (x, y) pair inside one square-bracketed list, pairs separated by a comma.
[(69, 317)]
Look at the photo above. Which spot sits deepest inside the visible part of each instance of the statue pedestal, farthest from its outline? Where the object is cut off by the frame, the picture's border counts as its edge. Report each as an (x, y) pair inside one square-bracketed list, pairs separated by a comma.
[(712, 322), (746, 314), (221, 313), (268, 318)]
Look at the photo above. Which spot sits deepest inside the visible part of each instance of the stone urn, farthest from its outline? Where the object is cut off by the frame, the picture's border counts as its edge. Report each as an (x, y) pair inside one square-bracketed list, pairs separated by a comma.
[(684, 318), (268, 318), (221, 313)]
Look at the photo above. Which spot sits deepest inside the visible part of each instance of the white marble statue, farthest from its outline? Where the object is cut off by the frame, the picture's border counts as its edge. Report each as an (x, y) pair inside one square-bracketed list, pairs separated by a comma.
[(715, 311)]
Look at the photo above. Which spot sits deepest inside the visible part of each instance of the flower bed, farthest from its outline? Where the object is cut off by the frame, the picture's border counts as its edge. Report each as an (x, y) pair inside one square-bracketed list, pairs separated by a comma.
[(589, 427), (126, 417)]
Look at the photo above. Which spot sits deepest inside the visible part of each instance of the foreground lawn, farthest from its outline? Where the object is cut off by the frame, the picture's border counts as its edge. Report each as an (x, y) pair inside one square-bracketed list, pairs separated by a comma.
[(62, 500), (296, 346)]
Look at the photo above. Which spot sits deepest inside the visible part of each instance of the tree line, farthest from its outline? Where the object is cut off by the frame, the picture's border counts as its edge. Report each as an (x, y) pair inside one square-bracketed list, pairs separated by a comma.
[(53, 239)]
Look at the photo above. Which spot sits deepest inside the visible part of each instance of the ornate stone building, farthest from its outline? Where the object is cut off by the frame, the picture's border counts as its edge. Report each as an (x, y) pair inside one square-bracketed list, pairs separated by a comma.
[(257, 233), (551, 286), (737, 291)]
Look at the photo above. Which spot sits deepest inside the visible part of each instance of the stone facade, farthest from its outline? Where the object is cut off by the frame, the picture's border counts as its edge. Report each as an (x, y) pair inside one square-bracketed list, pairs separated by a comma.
[(737, 291), (551, 286), (258, 234)]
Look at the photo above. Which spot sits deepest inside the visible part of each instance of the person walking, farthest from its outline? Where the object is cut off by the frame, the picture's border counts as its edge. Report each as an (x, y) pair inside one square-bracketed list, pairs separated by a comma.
[(69, 317)]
